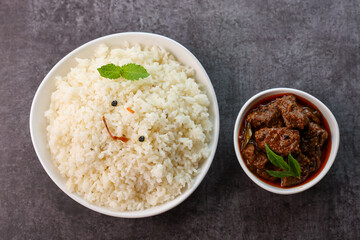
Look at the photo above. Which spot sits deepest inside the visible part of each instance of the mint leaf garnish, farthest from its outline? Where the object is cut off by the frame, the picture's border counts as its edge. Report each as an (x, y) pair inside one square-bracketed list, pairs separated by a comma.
[(129, 71), (110, 71), (292, 168), (133, 71)]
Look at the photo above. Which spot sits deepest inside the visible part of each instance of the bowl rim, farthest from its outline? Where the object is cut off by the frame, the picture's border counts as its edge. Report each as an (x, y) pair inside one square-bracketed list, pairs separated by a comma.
[(204, 167), (333, 125)]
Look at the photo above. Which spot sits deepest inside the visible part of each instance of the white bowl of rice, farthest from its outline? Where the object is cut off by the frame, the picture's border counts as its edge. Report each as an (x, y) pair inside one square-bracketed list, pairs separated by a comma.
[(170, 121)]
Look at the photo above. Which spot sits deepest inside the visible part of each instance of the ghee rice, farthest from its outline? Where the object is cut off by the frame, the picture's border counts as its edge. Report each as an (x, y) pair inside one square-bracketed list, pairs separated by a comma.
[(169, 109)]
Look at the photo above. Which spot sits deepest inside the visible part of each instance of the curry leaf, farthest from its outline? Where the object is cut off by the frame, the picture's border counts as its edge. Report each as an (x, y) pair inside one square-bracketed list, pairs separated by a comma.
[(276, 159), (279, 174), (248, 134), (292, 168)]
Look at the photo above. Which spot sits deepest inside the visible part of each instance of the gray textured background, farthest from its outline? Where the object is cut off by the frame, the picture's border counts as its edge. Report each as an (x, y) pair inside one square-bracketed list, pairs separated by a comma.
[(246, 46)]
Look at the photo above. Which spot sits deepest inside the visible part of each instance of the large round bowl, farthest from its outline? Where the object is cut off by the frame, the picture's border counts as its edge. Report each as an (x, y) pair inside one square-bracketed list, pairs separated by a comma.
[(41, 103), (334, 133)]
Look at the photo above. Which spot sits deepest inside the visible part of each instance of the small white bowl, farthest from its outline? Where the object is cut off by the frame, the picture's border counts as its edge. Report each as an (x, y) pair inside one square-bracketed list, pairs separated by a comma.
[(41, 103), (334, 130)]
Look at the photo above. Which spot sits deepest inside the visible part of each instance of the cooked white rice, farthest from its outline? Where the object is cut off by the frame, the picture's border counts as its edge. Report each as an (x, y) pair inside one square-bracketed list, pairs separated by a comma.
[(171, 112)]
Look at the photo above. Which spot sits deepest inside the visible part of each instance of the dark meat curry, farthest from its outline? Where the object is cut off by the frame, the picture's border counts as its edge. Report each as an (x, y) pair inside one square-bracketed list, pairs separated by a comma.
[(287, 124)]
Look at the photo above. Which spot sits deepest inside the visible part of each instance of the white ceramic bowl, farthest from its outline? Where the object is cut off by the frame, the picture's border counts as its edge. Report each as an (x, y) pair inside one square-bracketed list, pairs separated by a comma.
[(41, 103), (334, 129)]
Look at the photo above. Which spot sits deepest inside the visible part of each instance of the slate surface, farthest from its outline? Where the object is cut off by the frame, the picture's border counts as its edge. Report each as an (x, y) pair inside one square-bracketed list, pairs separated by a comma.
[(246, 46)]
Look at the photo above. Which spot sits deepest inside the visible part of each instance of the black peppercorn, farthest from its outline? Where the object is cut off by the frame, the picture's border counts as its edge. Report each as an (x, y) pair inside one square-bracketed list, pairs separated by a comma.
[(114, 103), (141, 138)]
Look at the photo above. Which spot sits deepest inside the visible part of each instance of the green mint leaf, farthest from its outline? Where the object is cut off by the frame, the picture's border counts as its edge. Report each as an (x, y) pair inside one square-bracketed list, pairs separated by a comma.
[(276, 159), (133, 71), (110, 71), (279, 174), (294, 166)]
